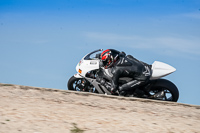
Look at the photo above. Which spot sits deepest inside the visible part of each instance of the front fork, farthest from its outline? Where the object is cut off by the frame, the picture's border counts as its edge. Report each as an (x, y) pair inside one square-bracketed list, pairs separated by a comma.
[(93, 84), (84, 85)]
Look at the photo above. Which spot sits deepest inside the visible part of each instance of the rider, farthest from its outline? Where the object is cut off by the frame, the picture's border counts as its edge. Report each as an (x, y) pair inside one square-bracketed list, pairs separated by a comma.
[(124, 66)]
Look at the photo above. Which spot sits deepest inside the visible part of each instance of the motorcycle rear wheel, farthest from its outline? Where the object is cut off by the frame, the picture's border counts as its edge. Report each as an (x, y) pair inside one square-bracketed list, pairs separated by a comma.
[(171, 92)]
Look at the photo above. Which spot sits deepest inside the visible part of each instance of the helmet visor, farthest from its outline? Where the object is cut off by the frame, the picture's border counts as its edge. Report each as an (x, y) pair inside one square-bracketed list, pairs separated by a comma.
[(105, 62)]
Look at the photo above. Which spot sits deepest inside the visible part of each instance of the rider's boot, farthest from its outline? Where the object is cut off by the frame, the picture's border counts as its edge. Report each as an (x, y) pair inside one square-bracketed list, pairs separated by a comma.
[(130, 85)]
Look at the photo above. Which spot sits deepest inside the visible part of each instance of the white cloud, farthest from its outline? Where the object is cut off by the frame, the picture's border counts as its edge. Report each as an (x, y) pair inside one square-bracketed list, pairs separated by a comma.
[(184, 45), (174, 44), (194, 15)]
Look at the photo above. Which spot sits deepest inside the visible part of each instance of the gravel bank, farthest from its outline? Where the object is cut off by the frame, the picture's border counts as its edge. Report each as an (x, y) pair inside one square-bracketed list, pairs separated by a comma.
[(26, 109)]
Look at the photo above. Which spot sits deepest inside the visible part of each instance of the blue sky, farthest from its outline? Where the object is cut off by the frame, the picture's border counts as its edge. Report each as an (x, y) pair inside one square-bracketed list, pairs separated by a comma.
[(41, 41)]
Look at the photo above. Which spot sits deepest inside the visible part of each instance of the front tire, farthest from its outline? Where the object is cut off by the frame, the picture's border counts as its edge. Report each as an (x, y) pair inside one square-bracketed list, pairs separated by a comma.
[(169, 89), (80, 84), (74, 84)]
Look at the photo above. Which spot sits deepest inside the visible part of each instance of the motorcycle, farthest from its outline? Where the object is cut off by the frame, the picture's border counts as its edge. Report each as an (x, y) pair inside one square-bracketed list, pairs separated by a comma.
[(89, 70)]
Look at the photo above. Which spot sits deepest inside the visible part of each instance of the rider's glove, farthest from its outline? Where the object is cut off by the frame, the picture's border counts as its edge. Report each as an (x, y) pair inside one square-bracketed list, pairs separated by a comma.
[(113, 90)]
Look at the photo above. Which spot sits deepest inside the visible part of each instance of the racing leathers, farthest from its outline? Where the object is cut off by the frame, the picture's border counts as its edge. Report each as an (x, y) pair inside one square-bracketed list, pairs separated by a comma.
[(128, 66)]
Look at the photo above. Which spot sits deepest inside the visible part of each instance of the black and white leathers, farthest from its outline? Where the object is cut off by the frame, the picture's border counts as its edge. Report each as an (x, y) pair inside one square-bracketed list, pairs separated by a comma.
[(128, 66)]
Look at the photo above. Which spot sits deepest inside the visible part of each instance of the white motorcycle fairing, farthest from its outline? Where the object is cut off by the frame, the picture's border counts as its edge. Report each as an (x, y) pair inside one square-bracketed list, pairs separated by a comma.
[(160, 69), (87, 64)]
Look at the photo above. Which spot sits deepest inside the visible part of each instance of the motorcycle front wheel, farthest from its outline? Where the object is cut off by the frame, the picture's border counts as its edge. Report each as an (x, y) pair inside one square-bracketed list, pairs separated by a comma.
[(80, 84), (74, 84)]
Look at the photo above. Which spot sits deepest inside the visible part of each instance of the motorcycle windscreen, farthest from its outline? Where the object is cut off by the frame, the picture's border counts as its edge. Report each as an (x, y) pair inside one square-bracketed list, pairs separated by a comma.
[(160, 69)]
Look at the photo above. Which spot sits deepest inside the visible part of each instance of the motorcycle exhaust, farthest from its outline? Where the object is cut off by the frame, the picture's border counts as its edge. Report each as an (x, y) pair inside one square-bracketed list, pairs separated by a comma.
[(158, 95)]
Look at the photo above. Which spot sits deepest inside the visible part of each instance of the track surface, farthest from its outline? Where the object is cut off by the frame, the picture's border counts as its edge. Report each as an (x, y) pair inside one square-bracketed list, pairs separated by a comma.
[(26, 109)]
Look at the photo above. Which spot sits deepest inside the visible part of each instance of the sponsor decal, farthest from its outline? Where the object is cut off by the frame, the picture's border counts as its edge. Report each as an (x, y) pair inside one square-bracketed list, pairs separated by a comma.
[(80, 62), (93, 62), (135, 84)]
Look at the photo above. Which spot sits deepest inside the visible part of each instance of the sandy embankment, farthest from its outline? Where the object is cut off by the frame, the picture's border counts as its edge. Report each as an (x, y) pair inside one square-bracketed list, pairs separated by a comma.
[(38, 110)]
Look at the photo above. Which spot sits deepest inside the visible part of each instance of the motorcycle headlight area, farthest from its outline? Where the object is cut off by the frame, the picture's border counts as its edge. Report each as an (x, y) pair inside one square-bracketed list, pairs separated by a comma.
[(80, 71)]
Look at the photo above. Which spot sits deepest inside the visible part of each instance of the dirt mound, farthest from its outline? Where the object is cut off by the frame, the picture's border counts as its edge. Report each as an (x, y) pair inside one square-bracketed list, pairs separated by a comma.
[(40, 110)]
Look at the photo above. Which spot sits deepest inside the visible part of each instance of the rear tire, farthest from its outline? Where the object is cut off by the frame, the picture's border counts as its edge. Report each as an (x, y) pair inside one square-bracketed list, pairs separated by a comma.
[(171, 92)]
